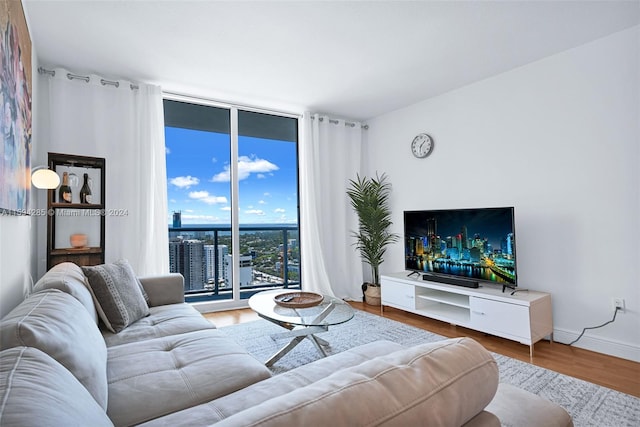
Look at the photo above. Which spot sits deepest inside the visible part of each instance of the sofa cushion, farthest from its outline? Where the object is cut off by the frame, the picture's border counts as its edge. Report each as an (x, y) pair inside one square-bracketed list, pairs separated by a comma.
[(517, 407), (484, 419), (164, 289), (69, 278), (225, 406), (118, 294), (152, 378), (162, 321), (449, 382), (57, 324), (35, 390)]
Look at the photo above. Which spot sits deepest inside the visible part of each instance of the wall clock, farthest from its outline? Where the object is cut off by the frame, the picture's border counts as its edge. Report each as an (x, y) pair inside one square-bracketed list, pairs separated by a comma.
[(422, 145)]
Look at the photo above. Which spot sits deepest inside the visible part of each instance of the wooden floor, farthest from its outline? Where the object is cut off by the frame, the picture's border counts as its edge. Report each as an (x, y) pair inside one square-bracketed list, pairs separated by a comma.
[(612, 372)]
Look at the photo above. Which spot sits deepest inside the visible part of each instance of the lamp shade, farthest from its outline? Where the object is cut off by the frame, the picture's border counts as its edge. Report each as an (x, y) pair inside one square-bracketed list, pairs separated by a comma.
[(45, 179)]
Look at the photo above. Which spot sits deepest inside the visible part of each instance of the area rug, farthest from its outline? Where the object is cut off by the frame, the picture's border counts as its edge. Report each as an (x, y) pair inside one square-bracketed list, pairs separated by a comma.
[(587, 403)]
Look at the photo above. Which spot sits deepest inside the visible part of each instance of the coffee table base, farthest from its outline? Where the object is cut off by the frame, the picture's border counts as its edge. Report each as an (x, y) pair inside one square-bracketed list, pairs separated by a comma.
[(299, 335), (300, 322)]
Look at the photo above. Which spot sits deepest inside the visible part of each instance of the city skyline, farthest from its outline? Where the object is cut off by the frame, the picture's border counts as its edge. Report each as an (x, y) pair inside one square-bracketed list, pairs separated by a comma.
[(268, 258), (492, 224), (198, 178)]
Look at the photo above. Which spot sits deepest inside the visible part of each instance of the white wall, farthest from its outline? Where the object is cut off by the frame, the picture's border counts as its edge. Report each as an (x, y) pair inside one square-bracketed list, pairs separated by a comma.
[(559, 140), (15, 261)]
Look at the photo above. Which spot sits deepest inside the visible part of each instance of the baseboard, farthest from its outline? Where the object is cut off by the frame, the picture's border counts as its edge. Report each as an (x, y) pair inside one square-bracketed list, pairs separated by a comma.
[(599, 345)]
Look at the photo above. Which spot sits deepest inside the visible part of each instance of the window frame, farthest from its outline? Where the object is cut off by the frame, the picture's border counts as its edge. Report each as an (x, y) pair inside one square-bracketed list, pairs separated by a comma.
[(234, 109)]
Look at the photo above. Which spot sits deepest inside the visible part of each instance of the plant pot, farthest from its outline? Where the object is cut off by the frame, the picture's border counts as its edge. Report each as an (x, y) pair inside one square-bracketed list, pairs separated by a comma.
[(372, 295)]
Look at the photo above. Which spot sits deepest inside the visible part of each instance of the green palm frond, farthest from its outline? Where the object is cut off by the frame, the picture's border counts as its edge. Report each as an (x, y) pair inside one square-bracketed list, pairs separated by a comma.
[(370, 200)]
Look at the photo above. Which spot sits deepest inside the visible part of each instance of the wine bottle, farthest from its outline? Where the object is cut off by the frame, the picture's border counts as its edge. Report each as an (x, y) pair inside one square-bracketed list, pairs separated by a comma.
[(85, 191), (65, 191)]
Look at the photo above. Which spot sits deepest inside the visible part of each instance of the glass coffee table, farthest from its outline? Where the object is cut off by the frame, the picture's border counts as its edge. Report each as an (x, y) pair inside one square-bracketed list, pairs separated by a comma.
[(301, 322)]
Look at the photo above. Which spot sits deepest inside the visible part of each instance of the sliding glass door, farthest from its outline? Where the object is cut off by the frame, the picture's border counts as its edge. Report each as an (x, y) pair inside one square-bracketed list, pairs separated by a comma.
[(268, 200), (232, 187)]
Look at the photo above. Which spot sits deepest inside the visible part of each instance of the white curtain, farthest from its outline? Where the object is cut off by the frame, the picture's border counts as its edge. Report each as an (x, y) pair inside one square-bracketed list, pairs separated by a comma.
[(330, 155), (126, 127)]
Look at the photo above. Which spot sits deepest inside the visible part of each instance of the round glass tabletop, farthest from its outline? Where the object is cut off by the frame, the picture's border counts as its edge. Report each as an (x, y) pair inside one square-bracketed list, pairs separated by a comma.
[(331, 311)]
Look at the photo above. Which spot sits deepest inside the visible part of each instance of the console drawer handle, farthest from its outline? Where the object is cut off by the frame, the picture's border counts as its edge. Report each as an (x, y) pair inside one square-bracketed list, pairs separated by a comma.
[(478, 312)]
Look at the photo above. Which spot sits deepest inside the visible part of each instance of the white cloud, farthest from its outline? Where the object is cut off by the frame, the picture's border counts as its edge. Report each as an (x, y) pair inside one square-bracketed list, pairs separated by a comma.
[(267, 194), (255, 212), (279, 210), (207, 198), (184, 181), (246, 166), (262, 202), (224, 176), (226, 208), (261, 176), (167, 150)]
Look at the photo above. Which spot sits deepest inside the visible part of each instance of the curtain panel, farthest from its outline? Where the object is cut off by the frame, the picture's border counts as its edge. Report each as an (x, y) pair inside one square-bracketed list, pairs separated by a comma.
[(330, 155), (126, 127)]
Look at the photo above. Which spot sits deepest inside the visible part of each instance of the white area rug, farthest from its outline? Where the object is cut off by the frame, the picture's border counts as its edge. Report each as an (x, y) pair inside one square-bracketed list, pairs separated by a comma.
[(588, 404)]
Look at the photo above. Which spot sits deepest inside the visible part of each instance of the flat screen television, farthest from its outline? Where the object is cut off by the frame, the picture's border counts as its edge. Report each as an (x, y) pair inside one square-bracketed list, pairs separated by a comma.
[(462, 246)]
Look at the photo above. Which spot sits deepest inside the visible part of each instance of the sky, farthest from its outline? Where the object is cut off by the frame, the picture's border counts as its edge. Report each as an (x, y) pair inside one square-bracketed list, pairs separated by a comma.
[(198, 185)]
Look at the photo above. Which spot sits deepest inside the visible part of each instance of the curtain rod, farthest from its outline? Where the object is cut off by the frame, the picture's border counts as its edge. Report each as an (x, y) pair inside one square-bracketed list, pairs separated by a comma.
[(71, 76), (346, 123), (115, 83)]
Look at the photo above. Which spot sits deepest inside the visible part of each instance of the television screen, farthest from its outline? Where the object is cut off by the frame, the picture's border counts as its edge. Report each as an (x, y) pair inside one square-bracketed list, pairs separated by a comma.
[(473, 244)]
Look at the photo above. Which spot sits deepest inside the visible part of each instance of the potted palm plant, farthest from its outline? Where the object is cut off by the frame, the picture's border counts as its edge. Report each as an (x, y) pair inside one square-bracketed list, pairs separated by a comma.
[(370, 200)]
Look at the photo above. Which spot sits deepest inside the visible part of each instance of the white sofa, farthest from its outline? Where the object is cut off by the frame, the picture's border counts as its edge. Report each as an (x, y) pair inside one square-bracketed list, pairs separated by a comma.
[(60, 367)]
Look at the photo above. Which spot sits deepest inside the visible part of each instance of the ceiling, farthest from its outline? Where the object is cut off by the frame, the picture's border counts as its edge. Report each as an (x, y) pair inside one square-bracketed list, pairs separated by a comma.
[(351, 59)]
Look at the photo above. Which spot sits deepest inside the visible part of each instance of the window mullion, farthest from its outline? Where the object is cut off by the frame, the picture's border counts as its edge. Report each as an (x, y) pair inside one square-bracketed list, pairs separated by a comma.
[(235, 216)]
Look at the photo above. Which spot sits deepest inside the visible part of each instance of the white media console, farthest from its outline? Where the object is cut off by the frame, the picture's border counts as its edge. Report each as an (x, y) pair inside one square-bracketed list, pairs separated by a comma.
[(525, 317)]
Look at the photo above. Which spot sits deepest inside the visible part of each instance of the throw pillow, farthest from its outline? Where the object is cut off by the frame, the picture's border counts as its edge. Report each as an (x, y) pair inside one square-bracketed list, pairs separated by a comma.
[(117, 293)]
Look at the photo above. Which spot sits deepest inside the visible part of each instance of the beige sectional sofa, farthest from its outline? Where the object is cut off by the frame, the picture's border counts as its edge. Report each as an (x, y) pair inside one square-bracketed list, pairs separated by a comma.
[(59, 366)]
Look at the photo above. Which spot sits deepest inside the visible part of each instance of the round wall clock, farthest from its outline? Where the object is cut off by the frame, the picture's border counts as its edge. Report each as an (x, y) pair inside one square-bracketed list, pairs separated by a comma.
[(422, 145)]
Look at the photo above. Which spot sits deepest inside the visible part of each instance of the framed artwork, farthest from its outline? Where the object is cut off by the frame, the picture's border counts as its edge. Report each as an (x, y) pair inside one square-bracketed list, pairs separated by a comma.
[(15, 109)]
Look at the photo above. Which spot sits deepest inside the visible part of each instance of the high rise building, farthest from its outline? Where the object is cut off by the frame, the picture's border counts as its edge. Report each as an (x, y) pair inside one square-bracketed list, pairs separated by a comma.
[(210, 262), (187, 258), (464, 237), (194, 273), (432, 227), (177, 219), (175, 255), (246, 270), (509, 247)]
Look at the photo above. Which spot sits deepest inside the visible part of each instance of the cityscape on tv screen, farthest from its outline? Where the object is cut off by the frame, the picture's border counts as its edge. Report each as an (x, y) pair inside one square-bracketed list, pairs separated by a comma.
[(478, 244)]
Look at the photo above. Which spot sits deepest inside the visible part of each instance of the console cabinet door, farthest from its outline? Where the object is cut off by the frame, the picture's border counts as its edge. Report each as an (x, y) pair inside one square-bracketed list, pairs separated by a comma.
[(398, 294), (501, 318)]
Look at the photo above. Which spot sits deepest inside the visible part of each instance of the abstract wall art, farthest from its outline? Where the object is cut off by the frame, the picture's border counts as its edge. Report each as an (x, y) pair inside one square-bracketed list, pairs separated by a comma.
[(15, 109)]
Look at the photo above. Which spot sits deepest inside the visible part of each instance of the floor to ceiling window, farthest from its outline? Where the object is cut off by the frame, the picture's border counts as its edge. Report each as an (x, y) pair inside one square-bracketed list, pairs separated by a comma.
[(232, 184)]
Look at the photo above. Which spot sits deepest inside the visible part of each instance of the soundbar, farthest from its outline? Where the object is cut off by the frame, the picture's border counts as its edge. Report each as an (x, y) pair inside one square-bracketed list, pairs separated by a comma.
[(451, 280)]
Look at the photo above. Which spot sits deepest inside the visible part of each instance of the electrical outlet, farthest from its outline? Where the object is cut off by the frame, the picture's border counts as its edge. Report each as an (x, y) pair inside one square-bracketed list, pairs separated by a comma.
[(618, 303)]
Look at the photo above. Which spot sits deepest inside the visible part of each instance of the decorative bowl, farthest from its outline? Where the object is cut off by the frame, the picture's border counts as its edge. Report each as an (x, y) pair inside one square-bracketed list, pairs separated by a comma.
[(78, 240), (298, 299)]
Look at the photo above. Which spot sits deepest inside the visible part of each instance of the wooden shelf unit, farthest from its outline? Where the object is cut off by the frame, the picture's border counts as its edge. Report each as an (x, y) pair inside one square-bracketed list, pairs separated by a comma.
[(64, 219)]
